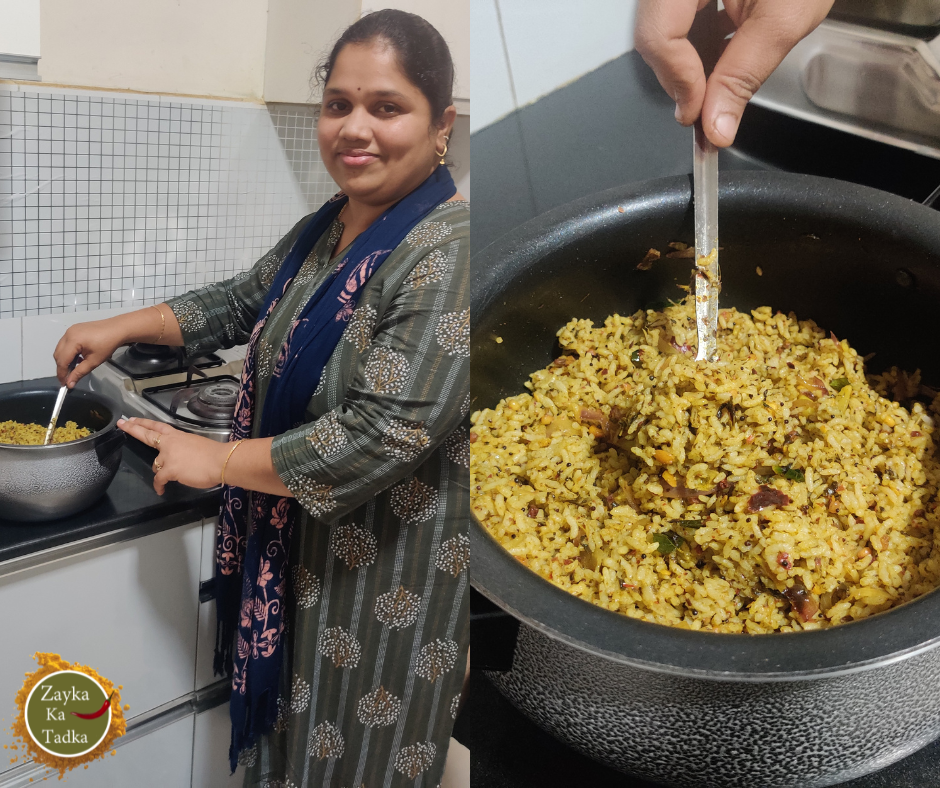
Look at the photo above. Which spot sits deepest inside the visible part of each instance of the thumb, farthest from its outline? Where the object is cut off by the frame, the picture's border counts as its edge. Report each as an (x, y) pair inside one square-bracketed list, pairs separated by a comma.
[(755, 50), (87, 364)]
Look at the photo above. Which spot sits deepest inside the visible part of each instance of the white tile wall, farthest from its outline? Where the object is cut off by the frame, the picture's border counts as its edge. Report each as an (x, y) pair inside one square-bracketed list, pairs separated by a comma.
[(111, 200), (296, 126), (549, 44)]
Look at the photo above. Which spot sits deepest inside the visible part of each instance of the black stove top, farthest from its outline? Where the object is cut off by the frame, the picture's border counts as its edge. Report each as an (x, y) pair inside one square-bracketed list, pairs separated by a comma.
[(141, 361)]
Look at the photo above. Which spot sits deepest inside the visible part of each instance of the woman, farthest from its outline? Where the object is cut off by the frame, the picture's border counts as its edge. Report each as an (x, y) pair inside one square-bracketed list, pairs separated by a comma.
[(342, 574)]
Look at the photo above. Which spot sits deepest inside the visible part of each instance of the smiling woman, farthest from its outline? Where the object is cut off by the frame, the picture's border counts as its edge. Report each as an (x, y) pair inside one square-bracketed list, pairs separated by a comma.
[(342, 554)]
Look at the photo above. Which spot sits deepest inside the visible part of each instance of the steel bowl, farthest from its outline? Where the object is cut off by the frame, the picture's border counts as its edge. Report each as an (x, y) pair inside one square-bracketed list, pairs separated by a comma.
[(40, 483), (690, 708)]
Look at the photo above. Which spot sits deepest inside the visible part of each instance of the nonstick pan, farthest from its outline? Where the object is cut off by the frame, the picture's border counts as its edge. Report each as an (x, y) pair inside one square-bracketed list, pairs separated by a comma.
[(698, 708)]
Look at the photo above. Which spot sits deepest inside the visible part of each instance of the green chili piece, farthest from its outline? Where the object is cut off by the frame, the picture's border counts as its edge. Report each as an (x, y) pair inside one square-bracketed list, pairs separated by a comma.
[(788, 472)]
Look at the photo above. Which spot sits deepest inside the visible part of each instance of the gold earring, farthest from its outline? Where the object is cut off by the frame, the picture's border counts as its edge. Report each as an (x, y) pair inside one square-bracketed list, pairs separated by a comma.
[(444, 152)]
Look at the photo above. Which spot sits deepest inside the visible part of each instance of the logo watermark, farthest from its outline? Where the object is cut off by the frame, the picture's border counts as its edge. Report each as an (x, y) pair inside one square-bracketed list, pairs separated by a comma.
[(68, 714)]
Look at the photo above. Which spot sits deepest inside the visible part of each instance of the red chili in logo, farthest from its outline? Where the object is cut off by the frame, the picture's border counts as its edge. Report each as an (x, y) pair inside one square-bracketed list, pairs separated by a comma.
[(95, 714)]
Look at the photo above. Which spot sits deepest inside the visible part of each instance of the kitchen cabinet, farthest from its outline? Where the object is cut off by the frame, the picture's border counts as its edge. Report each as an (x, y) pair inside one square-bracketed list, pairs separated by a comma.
[(19, 39), (205, 638), (211, 736), (161, 759), (128, 610)]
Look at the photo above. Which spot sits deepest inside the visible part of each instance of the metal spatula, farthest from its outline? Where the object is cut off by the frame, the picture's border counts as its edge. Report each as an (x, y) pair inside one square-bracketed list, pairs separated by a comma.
[(50, 430), (706, 37)]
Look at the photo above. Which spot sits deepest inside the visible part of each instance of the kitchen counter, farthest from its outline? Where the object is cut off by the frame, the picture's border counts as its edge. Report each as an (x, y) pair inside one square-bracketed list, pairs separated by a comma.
[(130, 509), (614, 126)]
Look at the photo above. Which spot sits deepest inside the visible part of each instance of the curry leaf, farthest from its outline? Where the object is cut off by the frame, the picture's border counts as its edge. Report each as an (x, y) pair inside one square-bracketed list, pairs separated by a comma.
[(667, 542), (839, 383)]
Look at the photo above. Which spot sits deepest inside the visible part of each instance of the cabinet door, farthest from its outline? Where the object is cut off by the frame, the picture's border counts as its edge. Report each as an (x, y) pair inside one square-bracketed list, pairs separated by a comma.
[(128, 610), (205, 639), (211, 737), (161, 759)]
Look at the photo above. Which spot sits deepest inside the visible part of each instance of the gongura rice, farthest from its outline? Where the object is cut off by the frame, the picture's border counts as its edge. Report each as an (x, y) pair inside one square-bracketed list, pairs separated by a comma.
[(776, 489), (34, 434)]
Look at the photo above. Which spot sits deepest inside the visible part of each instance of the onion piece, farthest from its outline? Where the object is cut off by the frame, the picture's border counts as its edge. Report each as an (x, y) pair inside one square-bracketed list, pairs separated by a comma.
[(766, 497), (799, 596)]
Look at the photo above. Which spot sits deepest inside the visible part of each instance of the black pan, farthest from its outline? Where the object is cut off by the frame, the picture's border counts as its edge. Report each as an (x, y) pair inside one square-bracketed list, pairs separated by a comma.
[(861, 263)]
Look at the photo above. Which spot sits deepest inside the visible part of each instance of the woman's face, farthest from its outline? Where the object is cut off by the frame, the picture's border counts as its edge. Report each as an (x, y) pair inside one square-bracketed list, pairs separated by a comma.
[(375, 131)]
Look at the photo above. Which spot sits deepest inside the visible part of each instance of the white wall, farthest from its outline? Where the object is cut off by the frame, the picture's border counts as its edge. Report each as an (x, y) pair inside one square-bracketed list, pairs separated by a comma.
[(19, 27), (458, 150), (301, 32), (452, 20), (299, 35), (524, 50), (194, 47)]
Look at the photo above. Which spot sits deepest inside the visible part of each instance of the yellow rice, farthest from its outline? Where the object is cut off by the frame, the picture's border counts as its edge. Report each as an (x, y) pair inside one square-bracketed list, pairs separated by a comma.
[(34, 434), (587, 509)]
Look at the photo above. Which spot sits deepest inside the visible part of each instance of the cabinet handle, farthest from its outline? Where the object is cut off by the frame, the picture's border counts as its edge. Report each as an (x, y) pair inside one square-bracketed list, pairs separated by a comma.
[(207, 590)]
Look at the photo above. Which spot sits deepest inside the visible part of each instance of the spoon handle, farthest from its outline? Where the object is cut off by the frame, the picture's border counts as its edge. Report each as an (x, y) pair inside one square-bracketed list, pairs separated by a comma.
[(50, 430), (55, 415), (706, 37)]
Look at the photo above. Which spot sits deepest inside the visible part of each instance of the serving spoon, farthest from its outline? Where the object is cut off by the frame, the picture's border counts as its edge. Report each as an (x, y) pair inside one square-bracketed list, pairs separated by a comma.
[(57, 409)]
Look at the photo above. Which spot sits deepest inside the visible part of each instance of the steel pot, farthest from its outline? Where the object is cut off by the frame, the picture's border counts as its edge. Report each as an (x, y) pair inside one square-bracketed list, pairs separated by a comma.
[(49, 482), (699, 708)]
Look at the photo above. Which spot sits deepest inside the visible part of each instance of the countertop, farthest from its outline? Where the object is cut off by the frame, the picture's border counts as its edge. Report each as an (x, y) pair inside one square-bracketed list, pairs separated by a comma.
[(614, 126), (130, 508)]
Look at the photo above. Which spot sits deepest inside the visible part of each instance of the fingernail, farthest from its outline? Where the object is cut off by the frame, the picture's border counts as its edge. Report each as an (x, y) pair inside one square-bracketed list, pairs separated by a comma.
[(726, 125), (120, 422), (678, 113)]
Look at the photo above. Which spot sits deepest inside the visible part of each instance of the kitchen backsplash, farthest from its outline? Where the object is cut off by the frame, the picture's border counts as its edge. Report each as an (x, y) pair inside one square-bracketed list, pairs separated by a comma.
[(111, 201)]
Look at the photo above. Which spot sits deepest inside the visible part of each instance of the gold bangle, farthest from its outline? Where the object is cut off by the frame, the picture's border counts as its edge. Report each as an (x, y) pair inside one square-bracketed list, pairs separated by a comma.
[(231, 451), (163, 323)]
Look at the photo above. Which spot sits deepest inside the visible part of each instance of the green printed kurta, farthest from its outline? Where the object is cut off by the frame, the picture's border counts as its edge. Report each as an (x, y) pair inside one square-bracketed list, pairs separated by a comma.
[(377, 633)]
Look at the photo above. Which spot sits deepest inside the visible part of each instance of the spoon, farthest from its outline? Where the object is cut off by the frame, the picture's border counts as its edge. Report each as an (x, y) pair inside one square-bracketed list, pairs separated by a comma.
[(50, 430), (707, 40)]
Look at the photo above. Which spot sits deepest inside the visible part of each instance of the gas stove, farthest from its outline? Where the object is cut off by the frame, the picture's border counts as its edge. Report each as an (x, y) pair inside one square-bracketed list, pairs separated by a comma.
[(193, 393)]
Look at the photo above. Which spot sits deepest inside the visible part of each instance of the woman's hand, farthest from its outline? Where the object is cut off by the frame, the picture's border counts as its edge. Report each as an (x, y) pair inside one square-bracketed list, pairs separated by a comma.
[(765, 31), (188, 459), (95, 341)]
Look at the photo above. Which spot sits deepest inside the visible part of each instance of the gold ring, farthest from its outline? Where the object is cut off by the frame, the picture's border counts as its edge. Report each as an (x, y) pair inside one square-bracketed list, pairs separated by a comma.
[(157, 466), (156, 441)]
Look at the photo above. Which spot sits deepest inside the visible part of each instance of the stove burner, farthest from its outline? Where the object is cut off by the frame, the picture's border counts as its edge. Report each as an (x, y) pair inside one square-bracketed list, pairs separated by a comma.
[(141, 351), (215, 401), (143, 360)]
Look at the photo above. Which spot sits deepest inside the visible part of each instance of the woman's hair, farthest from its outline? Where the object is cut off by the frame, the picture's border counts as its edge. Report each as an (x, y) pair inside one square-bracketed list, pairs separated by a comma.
[(422, 53)]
